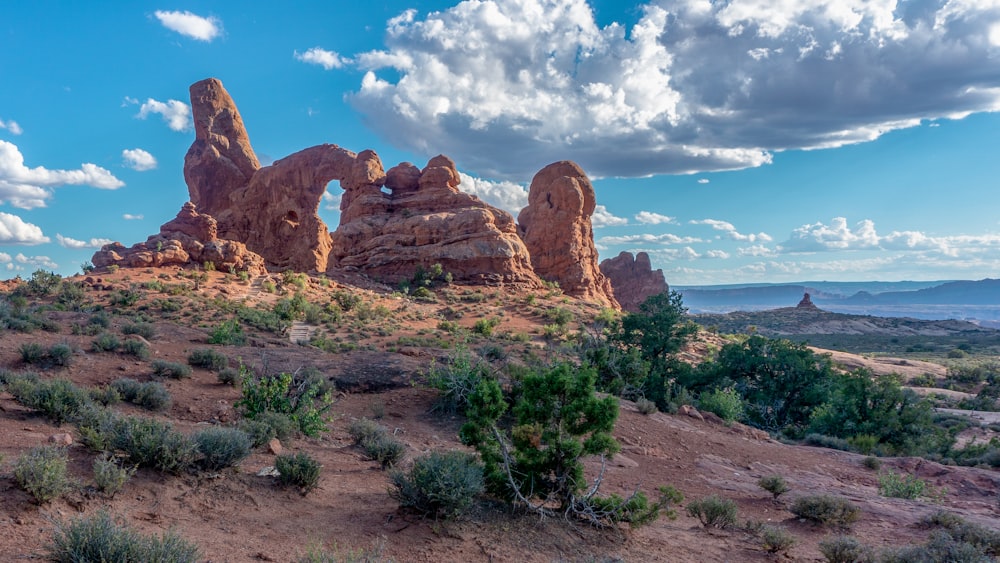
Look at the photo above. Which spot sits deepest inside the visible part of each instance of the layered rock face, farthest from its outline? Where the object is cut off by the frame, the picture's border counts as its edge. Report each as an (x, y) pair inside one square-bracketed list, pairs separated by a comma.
[(556, 228), (423, 220), (190, 238), (633, 279)]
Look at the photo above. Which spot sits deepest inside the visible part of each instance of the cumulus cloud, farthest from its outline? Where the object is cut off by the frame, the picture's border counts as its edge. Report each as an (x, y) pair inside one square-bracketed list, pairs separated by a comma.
[(28, 188), (819, 237), (509, 196), (11, 126), (507, 87), (39, 261), (190, 25), (604, 218), (138, 159), (175, 113), (13, 230), (74, 244), (702, 180), (131, 217), (730, 230), (331, 201), (646, 238), (756, 250), (650, 218), (318, 56)]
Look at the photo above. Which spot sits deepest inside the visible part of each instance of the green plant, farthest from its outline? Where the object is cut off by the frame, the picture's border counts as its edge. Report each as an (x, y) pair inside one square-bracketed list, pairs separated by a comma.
[(209, 359), (827, 510), (901, 485), (775, 539), (726, 403), (485, 327), (110, 475), (457, 380), (983, 539), (222, 447), (863, 443), (106, 342), (645, 406), (845, 549), (59, 400), (872, 462), (440, 484), (136, 348), (145, 330), (374, 554), (228, 376), (774, 484), (302, 398), (148, 442), (101, 538), (41, 472), (713, 511), (228, 333), (299, 470), (173, 370), (31, 352), (60, 354), (151, 395)]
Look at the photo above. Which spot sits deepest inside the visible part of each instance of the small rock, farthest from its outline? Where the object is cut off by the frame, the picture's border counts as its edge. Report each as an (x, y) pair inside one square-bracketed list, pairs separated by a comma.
[(62, 439), (269, 471), (274, 446), (690, 411)]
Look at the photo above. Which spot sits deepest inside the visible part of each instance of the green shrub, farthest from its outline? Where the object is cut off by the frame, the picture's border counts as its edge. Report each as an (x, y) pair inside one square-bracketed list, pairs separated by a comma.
[(109, 474), (984, 539), (863, 443), (228, 333), (31, 352), (60, 354), (775, 539), (104, 396), (440, 484), (228, 376), (299, 470), (872, 463), (222, 447), (713, 511), (385, 449), (942, 547), (145, 330), (151, 395), (106, 342), (302, 397), (457, 380), (774, 484), (283, 425), (831, 442), (173, 370), (726, 403), (208, 359), (900, 485), (58, 399), (101, 538), (645, 406), (257, 430), (485, 327), (845, 549), (41, 472), (148, 442), (827, 510), (363, 429), (136, 348)]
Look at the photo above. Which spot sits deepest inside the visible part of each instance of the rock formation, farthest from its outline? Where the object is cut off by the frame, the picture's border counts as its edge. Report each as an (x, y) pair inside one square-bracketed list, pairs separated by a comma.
[(190, 238), (556, 228), (806, 303), (423, 220), (633, 279)]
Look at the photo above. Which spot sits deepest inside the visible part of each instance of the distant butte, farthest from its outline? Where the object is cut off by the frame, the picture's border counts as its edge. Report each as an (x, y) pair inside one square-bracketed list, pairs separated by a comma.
[(247, 217), (633, 279)]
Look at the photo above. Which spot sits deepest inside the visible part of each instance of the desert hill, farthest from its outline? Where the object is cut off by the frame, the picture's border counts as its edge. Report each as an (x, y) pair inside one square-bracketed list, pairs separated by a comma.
[(377, 353)]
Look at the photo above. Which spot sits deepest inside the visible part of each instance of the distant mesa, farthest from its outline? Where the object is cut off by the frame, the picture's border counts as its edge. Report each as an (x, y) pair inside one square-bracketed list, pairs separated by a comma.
[(246, 217), (633, 279), (807, 303)]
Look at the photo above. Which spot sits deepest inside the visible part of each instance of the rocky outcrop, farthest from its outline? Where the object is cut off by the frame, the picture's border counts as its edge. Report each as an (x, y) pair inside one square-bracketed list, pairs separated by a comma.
[(422, 219), (556, 228), (806, 303), (190, 238), (633, 279)]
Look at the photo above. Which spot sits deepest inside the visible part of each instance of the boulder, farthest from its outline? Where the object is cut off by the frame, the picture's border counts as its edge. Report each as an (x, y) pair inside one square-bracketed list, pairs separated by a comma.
[(633, 279), (421, 219), (556, 228)]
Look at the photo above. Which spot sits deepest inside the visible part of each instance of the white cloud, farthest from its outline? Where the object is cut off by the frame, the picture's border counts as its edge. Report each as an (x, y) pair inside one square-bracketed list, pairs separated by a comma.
[(74, 244), (175, 113), (509, 86), (650, 218), (819, 237), (11, 126), (40, 261), (703, 180), (604, 218), (332, 201), (138, 159), (190, 25), (646, 238), (756, 250), (131, 217), (27, 188), (13, 230), (318, 56), (731, 231), (509, 196), (718, 254)]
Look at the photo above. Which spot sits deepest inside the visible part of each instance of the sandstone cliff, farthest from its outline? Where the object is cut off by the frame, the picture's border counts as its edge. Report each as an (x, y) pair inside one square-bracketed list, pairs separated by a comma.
[(633, 279), (557, 230)]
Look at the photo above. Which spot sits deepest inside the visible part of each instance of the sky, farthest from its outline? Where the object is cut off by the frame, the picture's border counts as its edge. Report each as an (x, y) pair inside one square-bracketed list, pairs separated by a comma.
[(735, 141)]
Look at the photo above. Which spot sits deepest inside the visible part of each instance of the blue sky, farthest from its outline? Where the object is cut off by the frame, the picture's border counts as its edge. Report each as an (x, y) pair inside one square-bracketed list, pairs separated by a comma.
[(735, 141)]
